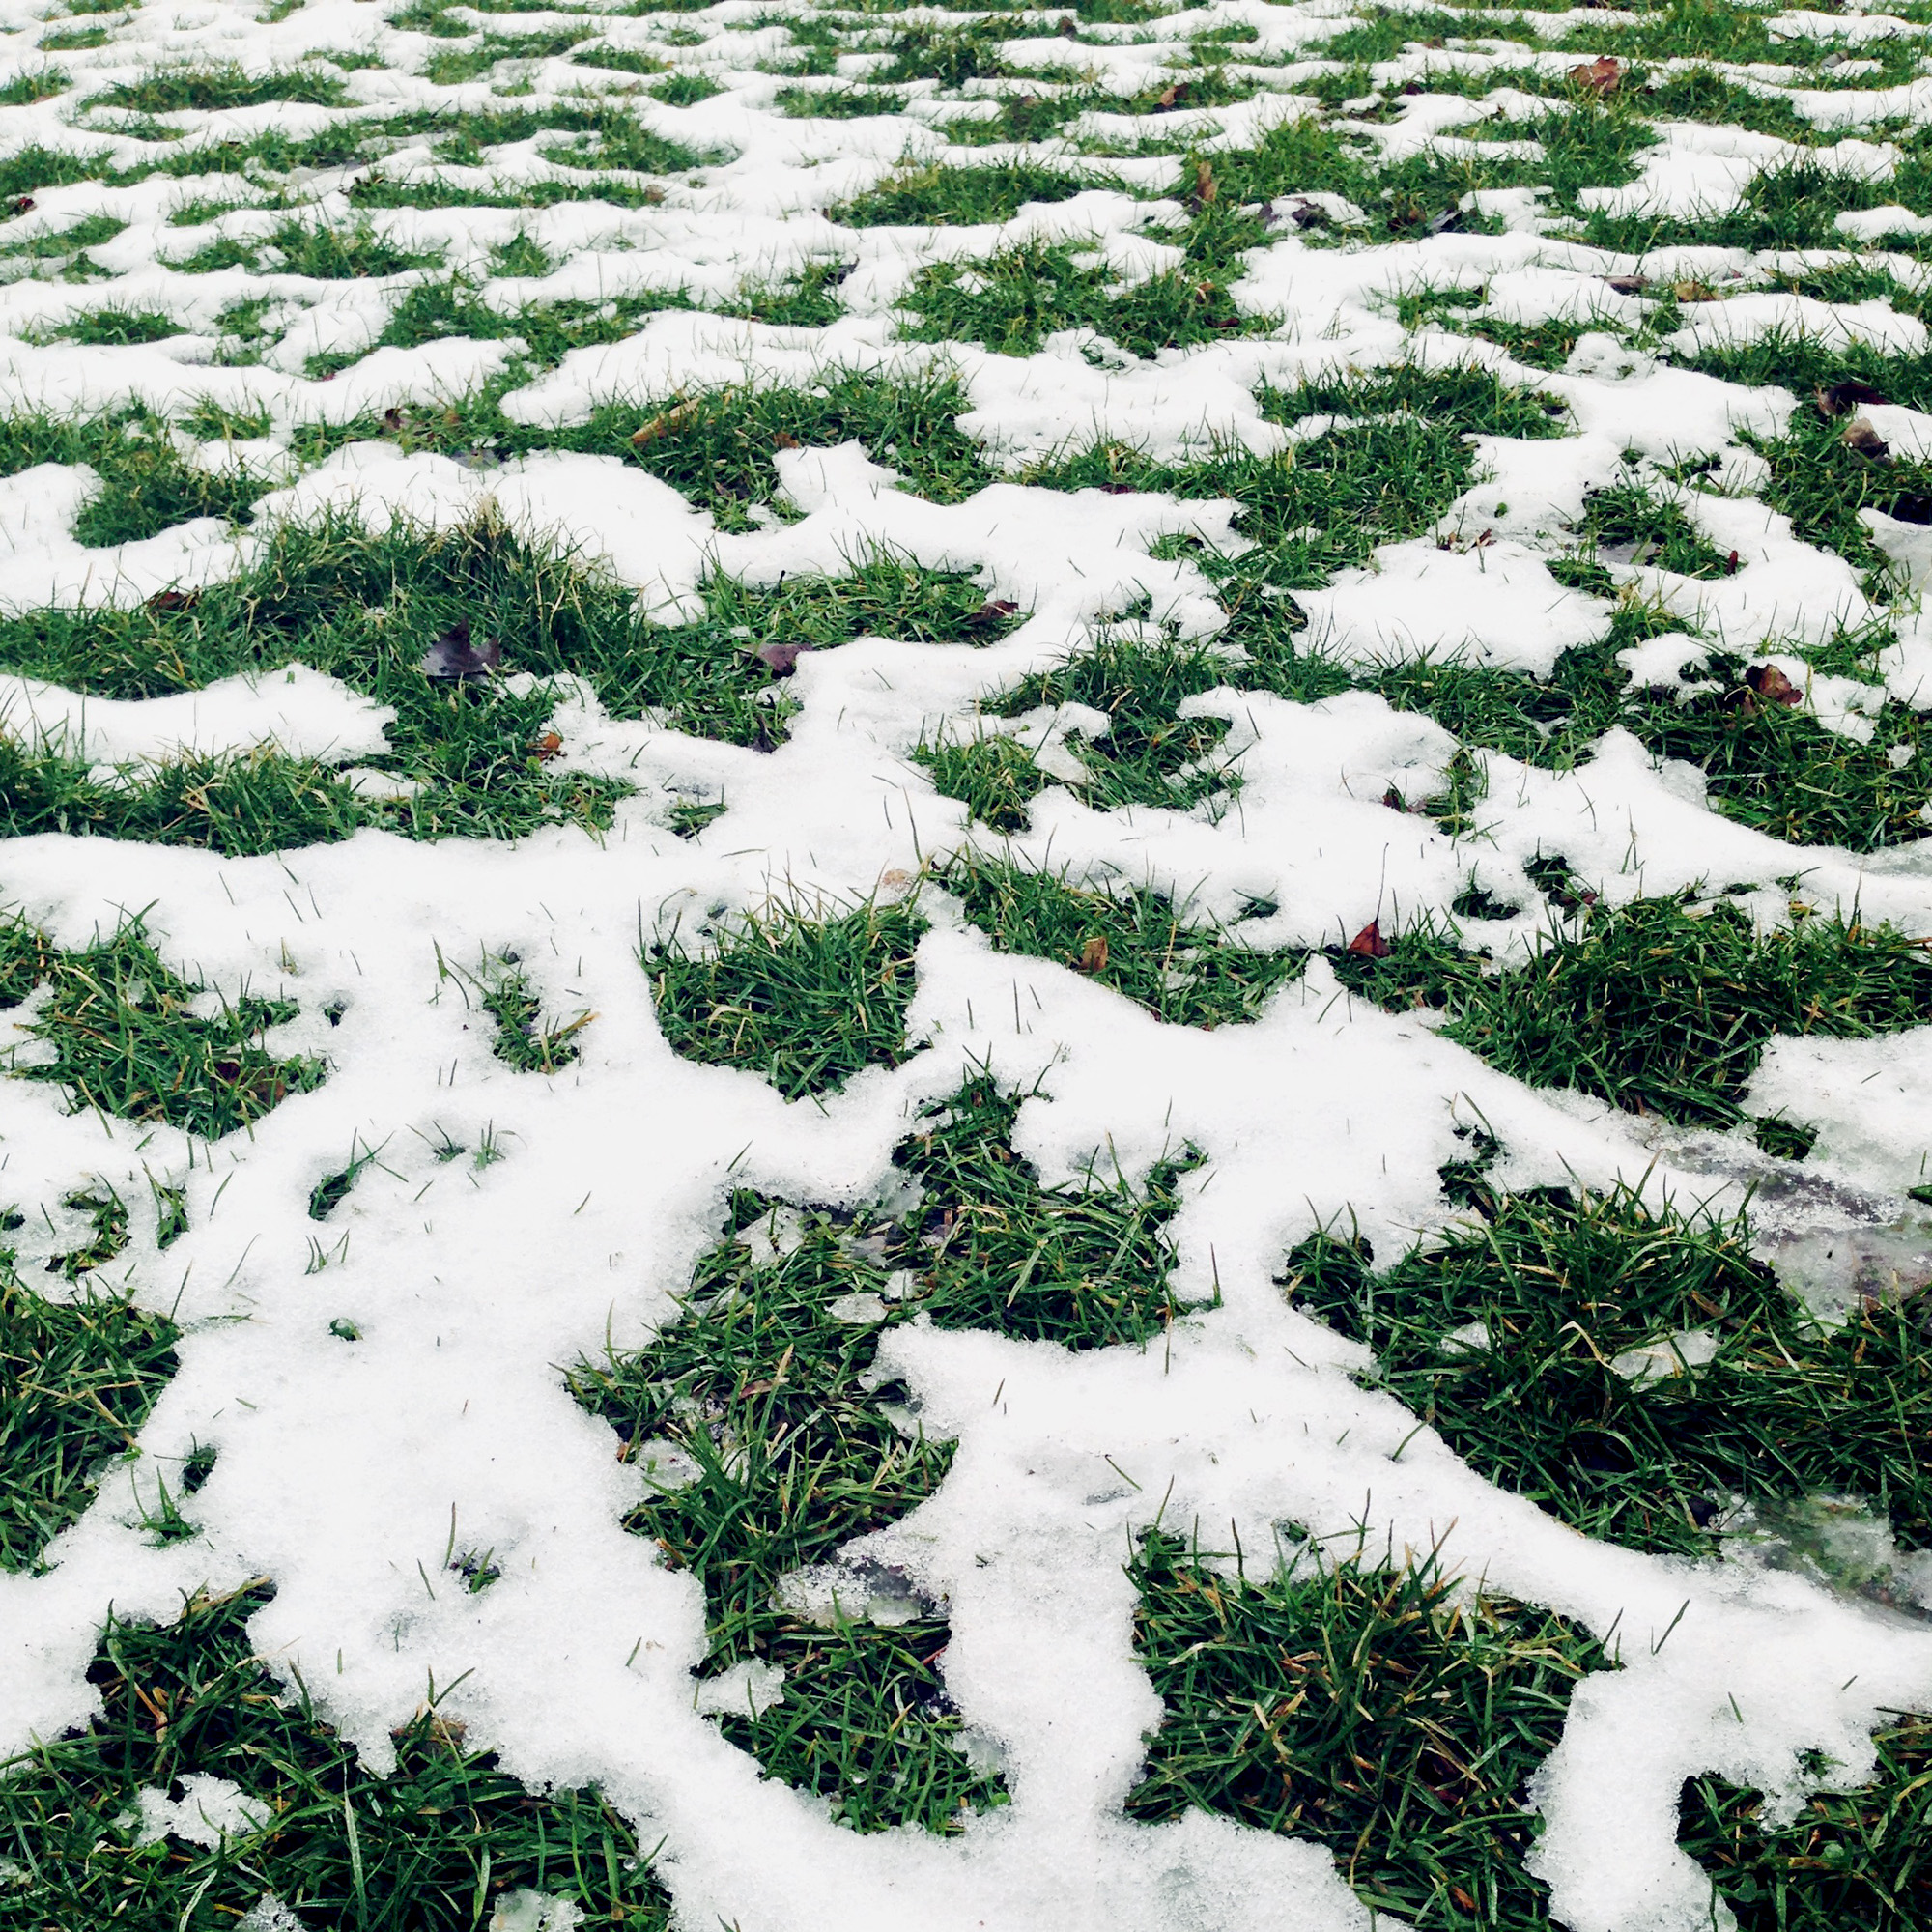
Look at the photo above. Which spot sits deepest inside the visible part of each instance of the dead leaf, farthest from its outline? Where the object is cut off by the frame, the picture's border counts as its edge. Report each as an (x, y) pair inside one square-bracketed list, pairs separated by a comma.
[(1093, 955), (894, 879), (1069, 31), (990, 614), (1840, 399), (1601, 77), (670, 421), (393, 422), (780, 441), (1394, 800), (1205, 187), (1772, 685), (1455, 1892), (1731, 565), (781, 660), (546, 748), (1369, 943), (173, 600), (1693, 292), (1308, 214), (454, 656), (1862, 440), (1626, 285), (24, 205), (1169, 97)]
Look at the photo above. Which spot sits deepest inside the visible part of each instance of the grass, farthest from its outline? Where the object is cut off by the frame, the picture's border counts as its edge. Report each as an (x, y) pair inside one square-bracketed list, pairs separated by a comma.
[(1146, 758), (1662, 1006), (77, 1379), (1370, 1709), (807, 1000), (116, 1029), (1533, 1400), (1133, 941), (1383, 1712), (434, 1846), (213, 90), (762, 1391), (1849, 1858), (778, 1448)]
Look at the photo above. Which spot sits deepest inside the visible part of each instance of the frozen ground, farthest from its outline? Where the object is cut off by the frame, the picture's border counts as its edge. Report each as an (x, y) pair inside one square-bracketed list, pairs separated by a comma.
[(1177, 848)]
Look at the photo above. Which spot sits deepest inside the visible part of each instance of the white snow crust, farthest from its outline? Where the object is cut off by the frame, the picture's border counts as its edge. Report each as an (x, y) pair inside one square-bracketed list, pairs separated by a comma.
[(341, 1468)]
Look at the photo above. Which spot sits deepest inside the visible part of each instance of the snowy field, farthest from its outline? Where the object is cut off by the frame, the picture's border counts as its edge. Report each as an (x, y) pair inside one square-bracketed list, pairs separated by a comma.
[(964, 969)]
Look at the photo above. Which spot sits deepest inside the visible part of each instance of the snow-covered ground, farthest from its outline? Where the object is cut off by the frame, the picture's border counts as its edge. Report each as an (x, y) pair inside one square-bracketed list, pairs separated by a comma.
[(346, 1472)]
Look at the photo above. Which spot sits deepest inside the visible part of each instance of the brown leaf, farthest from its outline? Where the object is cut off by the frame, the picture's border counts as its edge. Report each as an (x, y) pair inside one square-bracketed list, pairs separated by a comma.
[(1693, 292), (1394, 800), (546, 748), (173, 600), (1840, 399), (392, 422), (1369, 943), (1455, 1892), (670, 421), (1169, 95), (1772, 685), (1069, 31), (781, 660), (1862, 440), (1600, 76), (780, 441), (1626, 285), (1093, 955), (1308, 214), (453, 656), (990, 615), (1204, 185)]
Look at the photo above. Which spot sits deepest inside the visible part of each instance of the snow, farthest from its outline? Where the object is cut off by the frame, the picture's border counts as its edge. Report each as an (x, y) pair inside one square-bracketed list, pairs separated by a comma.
[(340, 1466)]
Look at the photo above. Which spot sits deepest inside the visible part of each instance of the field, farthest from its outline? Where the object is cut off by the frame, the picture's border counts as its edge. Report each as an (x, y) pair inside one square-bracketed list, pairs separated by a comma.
[(964, 967)]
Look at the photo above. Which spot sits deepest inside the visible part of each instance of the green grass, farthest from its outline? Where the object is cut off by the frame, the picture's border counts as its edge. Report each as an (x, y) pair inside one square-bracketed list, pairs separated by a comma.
[(1562, 1287), (763, 1391), (1013, 301), (1135, 942), (116, 1032), (804, 999), (1370, 1710), (1141, 759), (524, 1040), (792, 1451), (945, 196), (77, 1379), (431, 1847), (1662, 1006), (259, 801), (214, 89), (1854, 1858)]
